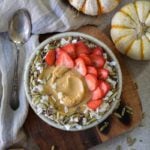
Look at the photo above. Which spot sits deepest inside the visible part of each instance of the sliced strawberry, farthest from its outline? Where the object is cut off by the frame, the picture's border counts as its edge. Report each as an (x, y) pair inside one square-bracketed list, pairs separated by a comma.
[(98, 51), (70, 49), (98, 61), (86, 59), (103, 73), (93, 104), (58, 52), (63, 59), (80, 66), (50, 57), (91, 81), (81, 48), (105, 87), (97, 93), (92, 70)]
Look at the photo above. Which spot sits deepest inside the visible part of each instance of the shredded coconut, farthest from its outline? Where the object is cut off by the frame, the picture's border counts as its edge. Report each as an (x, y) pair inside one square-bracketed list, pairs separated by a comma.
[(74, 41), (112, 63), (38, 88), (76, 119), (45, 98), (65, 109), (60, 95), (64, 41), (39, 110), (104, 107), (54, 86), (46, 47), (67, 126)]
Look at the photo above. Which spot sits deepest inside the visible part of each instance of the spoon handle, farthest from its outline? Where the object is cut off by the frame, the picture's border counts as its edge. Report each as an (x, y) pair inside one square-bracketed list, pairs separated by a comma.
[(15, 96)]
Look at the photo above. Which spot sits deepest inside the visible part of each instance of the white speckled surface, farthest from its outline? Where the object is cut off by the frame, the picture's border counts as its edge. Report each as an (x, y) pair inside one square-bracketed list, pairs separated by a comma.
[(141, 73)]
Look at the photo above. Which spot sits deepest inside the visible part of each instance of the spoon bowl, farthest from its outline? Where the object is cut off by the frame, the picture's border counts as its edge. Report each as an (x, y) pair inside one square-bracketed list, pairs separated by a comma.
[(20, 27)]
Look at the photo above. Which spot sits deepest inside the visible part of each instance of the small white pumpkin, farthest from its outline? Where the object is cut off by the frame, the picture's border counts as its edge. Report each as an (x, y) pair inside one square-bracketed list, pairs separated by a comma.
[(130, 30), (94, 7)]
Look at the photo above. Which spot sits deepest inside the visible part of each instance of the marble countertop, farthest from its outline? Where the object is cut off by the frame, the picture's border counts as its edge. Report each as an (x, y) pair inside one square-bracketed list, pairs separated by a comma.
[(141, 73)]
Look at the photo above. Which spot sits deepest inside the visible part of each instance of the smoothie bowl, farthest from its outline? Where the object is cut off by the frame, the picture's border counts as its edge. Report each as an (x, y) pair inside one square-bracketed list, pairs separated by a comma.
[(73, 81)]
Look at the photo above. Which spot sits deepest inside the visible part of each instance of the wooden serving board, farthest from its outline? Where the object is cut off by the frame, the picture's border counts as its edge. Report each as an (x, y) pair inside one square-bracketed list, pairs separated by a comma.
[(45, 136)]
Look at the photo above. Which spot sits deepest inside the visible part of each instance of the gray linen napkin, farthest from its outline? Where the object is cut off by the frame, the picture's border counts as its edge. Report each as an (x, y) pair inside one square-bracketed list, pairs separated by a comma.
[(47, 16)]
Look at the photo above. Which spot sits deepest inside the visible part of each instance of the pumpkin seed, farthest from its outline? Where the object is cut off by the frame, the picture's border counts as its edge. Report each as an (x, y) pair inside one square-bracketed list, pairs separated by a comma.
[(130, 141), (129, 108), (36, 102), (53, 147), (117, 115), (104, 126), (123, 111), (40, 105), (129, 112), (48, 77), (91, 121)]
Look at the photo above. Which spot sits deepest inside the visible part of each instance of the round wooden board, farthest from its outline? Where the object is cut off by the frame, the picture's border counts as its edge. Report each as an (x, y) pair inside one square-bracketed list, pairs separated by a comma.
[(45, 136)]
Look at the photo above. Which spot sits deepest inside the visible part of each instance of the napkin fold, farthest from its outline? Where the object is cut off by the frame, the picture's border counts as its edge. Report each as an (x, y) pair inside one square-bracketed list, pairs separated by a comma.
[(47, 16)]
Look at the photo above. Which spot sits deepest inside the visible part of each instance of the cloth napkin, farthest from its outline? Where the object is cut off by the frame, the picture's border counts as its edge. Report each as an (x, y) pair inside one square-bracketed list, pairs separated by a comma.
[(47, 16)]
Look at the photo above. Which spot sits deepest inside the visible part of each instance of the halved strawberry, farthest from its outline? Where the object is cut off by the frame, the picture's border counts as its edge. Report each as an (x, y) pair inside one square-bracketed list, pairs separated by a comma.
[(93, 104), (97, 93), (91, 81), (104, 86), (98, 51), (98, 61), (86, 59), (70, 49), (103, 73), (50, 57), (92, 70), (63, 59), (81, 48), (80, 66)]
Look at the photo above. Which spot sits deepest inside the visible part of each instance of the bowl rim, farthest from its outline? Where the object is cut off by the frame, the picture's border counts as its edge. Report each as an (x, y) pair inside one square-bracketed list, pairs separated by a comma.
[(97, 42)]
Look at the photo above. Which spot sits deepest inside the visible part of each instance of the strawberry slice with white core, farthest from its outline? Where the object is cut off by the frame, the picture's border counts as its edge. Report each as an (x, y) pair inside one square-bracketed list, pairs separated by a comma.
[(105, 87), (98, 61), (97, 93), (91, 81), (103, 73), (63, 59), (92, 70), (86, 59), (98, 51), (70, 49), (81, 48), (80, 66)]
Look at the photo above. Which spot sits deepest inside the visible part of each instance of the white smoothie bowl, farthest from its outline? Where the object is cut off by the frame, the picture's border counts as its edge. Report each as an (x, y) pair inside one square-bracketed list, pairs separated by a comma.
[(114, 103)]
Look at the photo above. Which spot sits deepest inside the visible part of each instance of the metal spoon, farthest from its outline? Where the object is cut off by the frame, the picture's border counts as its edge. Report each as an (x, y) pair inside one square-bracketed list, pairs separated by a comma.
[(19, 32)]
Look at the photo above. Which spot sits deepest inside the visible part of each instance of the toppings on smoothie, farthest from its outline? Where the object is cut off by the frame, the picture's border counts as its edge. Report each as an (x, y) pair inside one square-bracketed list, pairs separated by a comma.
[(93, 104), (80, 66), (81, 48), (64, 59), (73, 82), (50, 57), (103, 73), (91, 81), (92, 70)]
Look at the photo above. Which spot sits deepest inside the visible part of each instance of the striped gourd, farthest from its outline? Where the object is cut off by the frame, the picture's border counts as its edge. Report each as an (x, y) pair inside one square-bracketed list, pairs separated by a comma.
[(94, 7), (130, 30)]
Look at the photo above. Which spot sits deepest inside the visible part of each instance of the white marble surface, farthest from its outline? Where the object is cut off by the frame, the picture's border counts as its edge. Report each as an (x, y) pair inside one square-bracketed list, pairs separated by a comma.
[(141, 73)]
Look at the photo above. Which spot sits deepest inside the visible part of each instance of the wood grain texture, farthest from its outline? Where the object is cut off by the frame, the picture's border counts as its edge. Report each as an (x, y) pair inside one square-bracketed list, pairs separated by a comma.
[(46, 136)]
